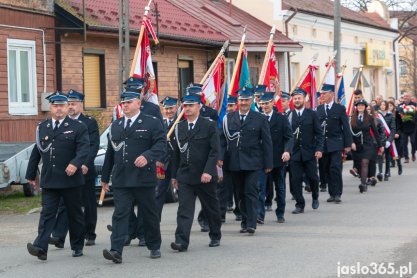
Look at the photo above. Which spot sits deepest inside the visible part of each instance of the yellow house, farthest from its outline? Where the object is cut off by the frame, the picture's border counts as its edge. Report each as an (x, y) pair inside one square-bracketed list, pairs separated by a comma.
[(366, 39)]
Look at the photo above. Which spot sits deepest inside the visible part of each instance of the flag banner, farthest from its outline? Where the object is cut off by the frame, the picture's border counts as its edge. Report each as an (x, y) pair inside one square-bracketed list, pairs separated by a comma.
[(356, 84), (341, 92), (143, 67), (309, 85), (271, 78), (212, 87)]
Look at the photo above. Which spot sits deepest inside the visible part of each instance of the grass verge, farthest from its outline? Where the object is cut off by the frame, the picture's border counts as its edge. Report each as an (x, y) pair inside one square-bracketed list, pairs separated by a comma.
[(17, 203)]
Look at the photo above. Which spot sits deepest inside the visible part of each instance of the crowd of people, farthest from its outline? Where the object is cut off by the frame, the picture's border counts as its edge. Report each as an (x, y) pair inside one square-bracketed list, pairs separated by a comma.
[(237, 163)]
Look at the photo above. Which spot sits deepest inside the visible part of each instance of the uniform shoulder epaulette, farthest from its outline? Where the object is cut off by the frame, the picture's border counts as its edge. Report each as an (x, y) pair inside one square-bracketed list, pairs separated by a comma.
[(89, 117), (80, 121)]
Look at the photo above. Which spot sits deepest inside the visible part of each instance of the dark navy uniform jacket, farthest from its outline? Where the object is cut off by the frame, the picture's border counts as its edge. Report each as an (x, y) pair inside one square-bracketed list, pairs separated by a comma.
[(308, 135), (67, 145), (201, 154), (335, 125), (282, 137), (145, 137), (252, 149)]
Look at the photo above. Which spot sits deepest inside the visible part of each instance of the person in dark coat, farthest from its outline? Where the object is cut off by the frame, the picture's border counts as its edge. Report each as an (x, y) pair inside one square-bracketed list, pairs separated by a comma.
[(337, 138), (389, 120), (63, 146), (194, 172), (282, 144), (397, 136), (136, 143), (308, 148), (363, 146), (60, 231), (246, 150), (408, 128)]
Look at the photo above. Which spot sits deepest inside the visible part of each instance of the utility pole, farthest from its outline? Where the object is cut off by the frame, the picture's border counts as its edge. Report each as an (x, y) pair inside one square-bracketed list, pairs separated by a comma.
[(336, 33), (124, 42)]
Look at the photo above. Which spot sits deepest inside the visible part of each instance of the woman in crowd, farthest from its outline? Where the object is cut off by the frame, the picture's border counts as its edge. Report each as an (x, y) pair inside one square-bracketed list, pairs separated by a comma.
[(389, 123), (392, 108), (363, 147), (383, 138)]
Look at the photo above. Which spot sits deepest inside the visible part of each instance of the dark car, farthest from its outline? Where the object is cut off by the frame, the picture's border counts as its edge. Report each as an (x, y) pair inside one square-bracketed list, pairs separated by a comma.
[(98, 164)]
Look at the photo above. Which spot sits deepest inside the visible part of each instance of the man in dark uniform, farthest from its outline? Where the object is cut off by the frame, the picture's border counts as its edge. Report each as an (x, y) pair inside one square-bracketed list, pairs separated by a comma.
[(282, 143), (208, 113), (63, 146), (246, 149), (170, 107), (337, 137), (134, 84), (258, 91), (194, 172), (308, 147), (60, 231), (136, 143), (226, 190)]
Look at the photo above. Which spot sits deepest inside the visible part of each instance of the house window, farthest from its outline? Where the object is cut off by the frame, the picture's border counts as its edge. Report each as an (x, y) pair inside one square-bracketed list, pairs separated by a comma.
[(403, 68), (185, 75), (94, 81), (230, 65), (295, 73), (21, 74)]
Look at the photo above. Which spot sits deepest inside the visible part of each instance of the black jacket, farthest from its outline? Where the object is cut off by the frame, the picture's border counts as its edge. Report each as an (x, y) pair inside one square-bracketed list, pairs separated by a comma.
[(145, 137), (391, 123), (94, 136), (335, 125), (209, 113), (201, 154), (282, 137), (250, 151), (151, 109), (68, 145), (308, 135)]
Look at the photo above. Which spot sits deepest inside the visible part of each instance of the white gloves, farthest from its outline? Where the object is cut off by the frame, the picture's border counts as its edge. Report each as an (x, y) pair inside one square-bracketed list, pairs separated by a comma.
[(387, 144)]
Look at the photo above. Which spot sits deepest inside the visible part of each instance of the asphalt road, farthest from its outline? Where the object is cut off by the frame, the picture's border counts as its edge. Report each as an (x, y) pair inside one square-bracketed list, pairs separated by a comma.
[(377, 227)]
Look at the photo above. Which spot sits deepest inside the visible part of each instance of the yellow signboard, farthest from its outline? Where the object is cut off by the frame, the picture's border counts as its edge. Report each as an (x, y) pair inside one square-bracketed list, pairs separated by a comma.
[(377, 55)]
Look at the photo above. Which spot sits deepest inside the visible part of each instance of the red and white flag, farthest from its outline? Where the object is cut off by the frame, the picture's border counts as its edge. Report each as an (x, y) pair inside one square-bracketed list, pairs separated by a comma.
[(143, 67), (271, 78), (212, 87), (309, 85)]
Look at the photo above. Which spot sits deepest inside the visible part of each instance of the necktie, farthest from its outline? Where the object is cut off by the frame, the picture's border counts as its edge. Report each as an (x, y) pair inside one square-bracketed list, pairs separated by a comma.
[(242, 119), (327, 109), (128, 124), (190, 126), (298, 113), (56, 125), (360, 118), (269, 118)]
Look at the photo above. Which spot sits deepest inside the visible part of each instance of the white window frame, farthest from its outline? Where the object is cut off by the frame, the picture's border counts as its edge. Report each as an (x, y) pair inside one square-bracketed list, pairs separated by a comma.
[(19, 107)]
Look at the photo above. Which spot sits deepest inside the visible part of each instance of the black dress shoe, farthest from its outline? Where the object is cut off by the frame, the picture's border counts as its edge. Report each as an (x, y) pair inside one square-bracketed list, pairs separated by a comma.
[(109, 228), (268, 208), (214, 243), (373, 181), (400, 169), (112, 255), (315, 204), (298, 211), (205, 229), (260, 221), (90, 242), (331, 199), (243, 230), (77, 253), (178, 247), (142, 242), (251, 230), (155, 254), (56, 241), (239, 217), (323, 189), (361, 188), (281, 220), (307, 188), (386, 178), (37, 252), (379, 176), (337, 200)]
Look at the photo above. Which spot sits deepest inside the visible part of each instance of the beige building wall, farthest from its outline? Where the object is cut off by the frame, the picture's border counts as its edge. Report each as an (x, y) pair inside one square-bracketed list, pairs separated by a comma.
[(408, 71), (315, 34)]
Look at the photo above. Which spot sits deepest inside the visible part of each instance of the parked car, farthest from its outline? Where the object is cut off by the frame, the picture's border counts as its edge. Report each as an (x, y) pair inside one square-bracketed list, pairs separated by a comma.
[(98, 164)]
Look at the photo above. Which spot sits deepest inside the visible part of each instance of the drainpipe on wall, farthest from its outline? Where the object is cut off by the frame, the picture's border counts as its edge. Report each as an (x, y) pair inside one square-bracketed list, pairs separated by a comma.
[(43, 47), (288, 53), (397, 75)]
